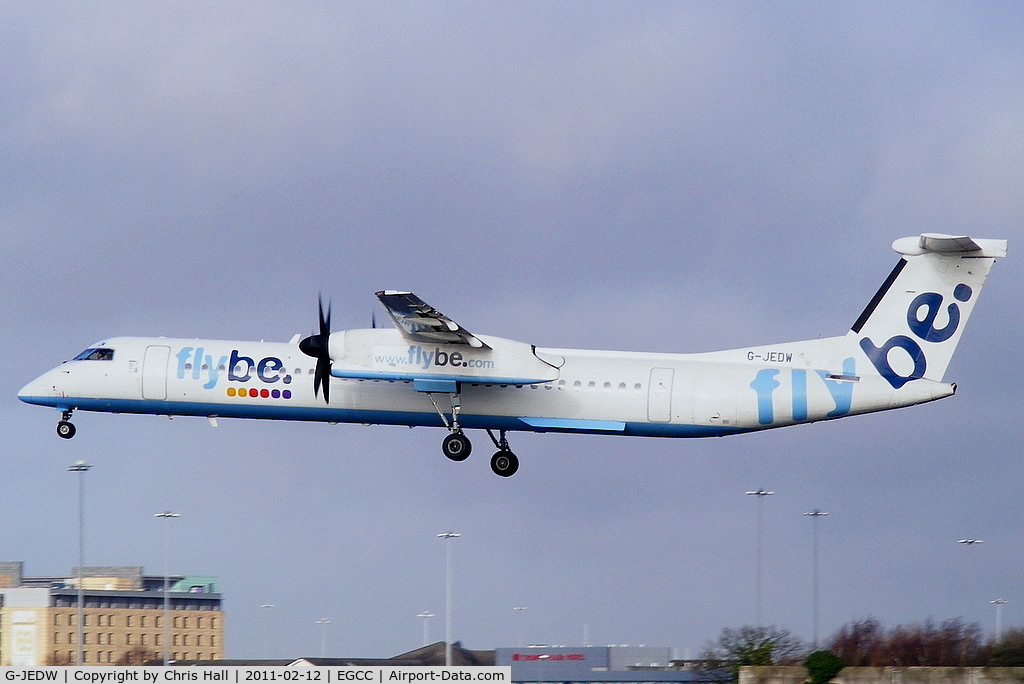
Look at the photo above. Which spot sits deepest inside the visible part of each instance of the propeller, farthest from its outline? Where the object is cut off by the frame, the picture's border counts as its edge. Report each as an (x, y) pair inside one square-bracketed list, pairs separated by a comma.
[(317, 346)]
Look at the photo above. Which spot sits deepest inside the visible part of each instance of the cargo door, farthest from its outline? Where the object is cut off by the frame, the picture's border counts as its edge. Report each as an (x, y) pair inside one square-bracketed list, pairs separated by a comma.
[(154, 372), (659, 395)]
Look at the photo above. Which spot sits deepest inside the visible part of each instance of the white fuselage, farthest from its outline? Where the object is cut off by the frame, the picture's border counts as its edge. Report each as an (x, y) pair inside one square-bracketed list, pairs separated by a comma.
[(630, 393)]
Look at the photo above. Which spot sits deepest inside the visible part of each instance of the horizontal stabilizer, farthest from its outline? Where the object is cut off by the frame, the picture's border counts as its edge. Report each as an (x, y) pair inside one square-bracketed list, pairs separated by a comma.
[(938, 243)]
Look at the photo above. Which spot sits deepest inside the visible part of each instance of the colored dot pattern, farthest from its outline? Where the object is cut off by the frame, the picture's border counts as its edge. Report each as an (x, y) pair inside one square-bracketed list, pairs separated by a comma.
[(253, 393)]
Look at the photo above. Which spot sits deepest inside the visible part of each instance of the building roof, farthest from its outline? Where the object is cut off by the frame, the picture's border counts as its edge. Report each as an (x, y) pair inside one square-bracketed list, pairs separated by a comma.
[(426, 656)]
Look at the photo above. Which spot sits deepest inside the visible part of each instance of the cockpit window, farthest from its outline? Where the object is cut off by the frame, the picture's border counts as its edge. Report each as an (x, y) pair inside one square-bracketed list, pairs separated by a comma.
[(96, 354)]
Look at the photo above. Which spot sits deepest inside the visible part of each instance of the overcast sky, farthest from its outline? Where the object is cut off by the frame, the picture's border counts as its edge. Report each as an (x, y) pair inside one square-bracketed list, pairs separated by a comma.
[(645, 176)]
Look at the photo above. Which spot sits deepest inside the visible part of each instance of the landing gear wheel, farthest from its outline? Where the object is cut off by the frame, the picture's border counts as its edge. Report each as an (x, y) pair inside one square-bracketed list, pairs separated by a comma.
[(456, 446), (504, 463), (66, 429)]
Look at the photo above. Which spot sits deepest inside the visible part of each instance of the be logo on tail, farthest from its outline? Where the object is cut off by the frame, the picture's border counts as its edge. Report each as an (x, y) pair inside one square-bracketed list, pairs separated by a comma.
[(921, 317), (922, 308)]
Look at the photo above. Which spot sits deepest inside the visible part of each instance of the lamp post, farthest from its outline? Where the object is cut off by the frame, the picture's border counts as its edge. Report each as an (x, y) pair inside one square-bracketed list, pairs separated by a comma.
[(814, 515), (80, 467), (167, 515), (999, 603), (265, 620), (447, 537), (970, 542), (323, 622), (425, 616), (519, 611), (760, 494)]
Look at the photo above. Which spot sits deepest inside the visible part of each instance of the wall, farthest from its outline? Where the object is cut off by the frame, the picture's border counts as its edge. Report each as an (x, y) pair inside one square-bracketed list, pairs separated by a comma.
[(888, 675)]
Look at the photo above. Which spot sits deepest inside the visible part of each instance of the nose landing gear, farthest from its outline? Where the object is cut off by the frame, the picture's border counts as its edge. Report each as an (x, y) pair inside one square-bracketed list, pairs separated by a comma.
[(65, 428)]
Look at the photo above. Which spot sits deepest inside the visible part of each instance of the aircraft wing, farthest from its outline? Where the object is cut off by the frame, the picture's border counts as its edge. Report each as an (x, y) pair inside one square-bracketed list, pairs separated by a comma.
[(420, 322)]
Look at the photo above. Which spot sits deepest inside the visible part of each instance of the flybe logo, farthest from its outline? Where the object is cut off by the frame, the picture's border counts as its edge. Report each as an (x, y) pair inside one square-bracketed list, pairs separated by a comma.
[(840, 391), (195, 363), (921, 315)]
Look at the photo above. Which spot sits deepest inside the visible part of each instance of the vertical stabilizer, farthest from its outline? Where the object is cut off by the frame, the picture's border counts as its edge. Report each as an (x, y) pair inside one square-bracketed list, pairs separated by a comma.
[(912, 325)]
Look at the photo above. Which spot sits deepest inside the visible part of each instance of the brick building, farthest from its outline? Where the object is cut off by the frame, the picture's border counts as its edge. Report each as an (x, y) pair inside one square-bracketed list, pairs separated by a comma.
[(123, 617)]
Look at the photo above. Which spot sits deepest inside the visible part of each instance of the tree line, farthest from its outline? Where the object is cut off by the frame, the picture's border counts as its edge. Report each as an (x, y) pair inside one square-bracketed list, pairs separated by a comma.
[(865, 642)]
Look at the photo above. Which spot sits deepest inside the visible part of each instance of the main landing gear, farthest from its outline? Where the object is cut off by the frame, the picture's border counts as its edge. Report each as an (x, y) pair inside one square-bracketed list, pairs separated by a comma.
[(503, 462), (457, 446), (65, 428)]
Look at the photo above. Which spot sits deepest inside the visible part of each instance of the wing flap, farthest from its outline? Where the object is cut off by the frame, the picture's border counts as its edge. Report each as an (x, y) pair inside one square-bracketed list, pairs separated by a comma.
[(420, 322)]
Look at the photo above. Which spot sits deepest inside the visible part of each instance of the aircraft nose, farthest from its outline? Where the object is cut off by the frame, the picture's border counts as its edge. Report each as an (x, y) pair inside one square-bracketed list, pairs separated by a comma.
[(29, 391), (39, 391)]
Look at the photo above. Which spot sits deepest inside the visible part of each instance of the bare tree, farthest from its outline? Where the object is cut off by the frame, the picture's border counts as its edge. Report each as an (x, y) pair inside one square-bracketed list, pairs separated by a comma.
[(953, 643), (750, 645), (858, 642)]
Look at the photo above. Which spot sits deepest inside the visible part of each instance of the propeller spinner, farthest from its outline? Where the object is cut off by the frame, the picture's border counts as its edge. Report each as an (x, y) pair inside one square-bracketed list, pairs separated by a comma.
[(317, 346)]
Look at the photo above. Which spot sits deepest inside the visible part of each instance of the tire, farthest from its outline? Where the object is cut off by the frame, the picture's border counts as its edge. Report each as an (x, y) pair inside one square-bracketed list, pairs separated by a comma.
[(504, 463), (456, 446), (65, 429)]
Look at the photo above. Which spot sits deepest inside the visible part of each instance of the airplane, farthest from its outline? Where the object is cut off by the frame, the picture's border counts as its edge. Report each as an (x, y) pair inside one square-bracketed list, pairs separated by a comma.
[(430, 371)]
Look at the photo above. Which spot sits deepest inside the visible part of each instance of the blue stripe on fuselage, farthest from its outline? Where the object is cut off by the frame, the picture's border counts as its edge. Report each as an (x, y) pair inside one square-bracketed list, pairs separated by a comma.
[(411, 418)]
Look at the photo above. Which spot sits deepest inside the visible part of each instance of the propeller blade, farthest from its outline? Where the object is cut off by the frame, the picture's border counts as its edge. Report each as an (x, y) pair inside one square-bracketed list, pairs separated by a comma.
[(318, 347), (323, 378), (325, 321)]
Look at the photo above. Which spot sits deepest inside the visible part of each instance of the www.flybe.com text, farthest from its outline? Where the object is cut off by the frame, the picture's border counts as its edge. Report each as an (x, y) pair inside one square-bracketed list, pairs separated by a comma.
[(418, 357)]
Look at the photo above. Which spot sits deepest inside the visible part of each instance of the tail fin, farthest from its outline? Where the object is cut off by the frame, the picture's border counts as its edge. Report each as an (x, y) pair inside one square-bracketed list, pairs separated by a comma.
[(912, 325)]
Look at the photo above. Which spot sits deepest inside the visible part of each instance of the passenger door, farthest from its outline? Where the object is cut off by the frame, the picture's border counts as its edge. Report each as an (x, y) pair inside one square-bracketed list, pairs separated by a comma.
[(659, 395), (154, 372)]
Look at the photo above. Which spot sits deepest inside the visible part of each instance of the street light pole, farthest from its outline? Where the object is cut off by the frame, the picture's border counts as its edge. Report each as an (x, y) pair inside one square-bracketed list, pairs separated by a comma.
[(425, 616), (166, 515), (265, 620), (519, 610), (969, 543), (999, 603), (80, 467), (448, 536), (323, 622), (814, 515), (760, 494)]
